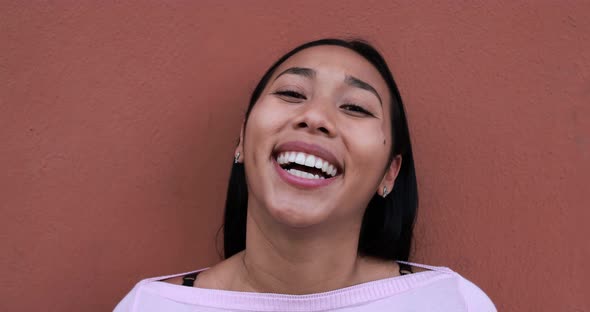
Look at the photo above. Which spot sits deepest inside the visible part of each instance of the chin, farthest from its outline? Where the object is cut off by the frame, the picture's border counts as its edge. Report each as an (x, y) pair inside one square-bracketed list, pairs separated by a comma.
[(300, 215)]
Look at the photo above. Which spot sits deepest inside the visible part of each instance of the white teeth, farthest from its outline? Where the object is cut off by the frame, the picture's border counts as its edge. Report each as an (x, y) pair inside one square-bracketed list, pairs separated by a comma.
[(300, 159), (307, 160), (302, 174), (310, 161), (331, 170), (325, 167)]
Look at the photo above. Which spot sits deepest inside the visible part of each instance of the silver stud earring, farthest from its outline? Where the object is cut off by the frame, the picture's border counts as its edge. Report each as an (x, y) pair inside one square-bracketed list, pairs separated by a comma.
[(384, 191), (237, 157)]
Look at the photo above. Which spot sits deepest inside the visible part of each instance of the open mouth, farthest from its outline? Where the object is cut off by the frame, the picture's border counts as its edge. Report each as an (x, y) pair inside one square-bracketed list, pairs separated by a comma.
[(306, 166)]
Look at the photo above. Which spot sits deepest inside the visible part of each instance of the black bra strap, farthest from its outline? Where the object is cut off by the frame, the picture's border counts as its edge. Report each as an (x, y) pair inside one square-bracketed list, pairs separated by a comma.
[(405, 269), (189, 279)]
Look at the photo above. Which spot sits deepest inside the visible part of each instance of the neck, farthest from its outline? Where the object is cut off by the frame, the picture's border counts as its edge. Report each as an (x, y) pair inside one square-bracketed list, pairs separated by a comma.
[(299, 261)]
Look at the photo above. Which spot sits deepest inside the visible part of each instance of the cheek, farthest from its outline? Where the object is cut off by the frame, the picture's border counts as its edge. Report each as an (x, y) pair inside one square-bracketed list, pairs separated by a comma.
[(264, 121), (368, 151), (371, 138)]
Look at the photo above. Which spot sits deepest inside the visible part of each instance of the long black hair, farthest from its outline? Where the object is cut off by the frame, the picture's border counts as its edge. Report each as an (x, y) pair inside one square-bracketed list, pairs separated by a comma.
[(387, 226)]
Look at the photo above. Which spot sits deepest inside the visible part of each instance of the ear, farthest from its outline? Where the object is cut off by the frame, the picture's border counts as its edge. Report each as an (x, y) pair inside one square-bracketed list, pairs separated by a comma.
[(391, 173), (240, 147)]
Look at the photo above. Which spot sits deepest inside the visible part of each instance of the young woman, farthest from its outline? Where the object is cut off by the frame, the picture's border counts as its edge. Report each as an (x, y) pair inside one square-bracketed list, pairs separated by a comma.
[(321, 201)]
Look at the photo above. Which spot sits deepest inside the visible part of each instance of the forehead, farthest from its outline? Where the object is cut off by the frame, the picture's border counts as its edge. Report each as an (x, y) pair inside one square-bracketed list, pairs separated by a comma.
[(336, 61)]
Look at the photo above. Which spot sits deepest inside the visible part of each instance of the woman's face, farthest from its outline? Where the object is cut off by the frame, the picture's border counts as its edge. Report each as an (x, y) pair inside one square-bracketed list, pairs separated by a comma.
[(317, 140)]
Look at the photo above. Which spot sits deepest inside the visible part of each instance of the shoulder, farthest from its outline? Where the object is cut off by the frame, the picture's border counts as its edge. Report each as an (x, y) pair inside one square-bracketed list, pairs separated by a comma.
[(128, 303), (474, 298)]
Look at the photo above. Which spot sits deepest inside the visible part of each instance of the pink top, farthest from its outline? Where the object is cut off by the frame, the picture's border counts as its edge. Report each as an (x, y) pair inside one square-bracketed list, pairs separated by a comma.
[(439, 289)]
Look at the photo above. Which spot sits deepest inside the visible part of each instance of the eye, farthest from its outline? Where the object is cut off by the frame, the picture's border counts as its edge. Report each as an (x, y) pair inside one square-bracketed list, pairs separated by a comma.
[(356, 110), (292, 96)]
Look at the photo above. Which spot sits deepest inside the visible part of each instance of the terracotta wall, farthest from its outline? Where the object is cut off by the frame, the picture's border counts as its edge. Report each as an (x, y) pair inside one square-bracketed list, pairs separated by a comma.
[(118, 120)]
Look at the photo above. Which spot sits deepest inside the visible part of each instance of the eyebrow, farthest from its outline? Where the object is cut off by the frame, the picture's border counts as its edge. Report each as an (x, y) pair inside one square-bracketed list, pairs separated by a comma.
[(302, 71), (355, 82), (350, 80)]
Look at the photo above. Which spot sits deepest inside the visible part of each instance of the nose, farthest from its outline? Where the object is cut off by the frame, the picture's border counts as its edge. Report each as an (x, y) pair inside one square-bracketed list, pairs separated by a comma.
[(316, 120)]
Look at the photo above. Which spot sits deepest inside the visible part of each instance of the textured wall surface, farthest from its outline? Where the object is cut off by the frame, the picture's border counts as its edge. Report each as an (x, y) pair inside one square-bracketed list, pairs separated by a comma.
[(118, 121)]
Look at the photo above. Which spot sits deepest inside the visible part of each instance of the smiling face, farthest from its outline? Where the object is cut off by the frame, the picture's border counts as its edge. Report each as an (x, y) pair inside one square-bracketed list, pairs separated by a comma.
[(318, 139)]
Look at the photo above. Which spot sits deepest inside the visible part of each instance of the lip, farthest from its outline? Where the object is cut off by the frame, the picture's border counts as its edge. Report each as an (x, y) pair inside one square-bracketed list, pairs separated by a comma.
[(301, 182), (313, 149)]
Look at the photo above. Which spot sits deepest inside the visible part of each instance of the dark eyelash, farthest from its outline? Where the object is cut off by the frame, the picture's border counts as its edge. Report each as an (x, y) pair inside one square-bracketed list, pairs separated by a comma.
[(292, 94), (358, 109)]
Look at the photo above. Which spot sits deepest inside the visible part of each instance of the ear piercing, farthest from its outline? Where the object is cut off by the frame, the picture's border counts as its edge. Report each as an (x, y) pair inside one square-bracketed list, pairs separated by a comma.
[(385, 191), (236, 158)]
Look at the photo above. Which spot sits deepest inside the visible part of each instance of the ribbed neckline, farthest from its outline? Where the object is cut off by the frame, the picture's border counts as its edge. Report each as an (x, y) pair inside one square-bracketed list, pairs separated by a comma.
[(348, 296)]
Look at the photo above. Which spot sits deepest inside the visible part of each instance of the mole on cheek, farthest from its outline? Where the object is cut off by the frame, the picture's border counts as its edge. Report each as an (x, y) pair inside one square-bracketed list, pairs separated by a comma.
[(383, 142)]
